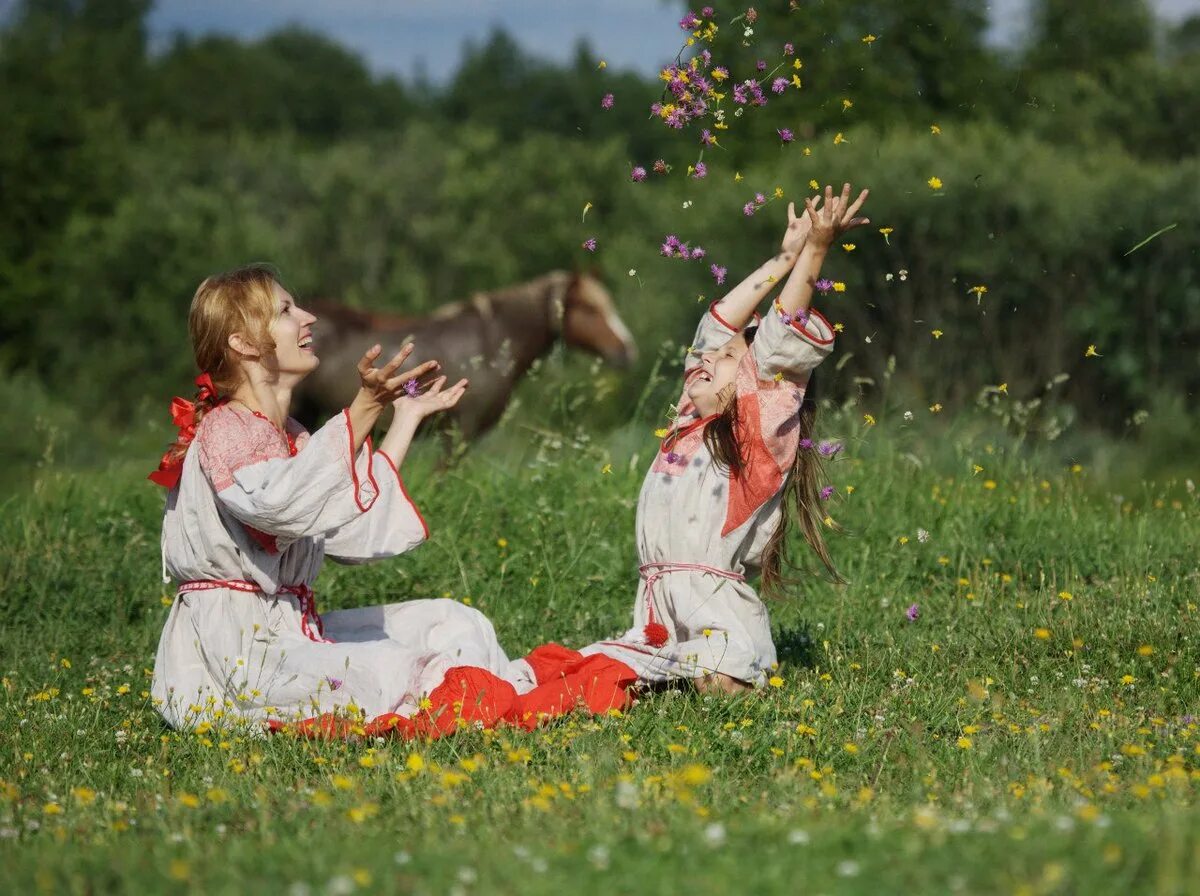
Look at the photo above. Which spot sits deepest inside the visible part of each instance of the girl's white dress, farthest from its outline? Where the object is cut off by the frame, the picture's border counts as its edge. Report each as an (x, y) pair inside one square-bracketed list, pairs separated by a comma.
[(245, 533), (693, 513)]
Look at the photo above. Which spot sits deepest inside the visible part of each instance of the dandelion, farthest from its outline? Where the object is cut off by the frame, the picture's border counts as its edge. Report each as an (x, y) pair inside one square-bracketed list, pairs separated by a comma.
[(638, 174), (785, 134), (775, 681), (979, 291), (1066, 596), (913, 613), (1042, 634), (607, 102), (590, 244), (935, 183)]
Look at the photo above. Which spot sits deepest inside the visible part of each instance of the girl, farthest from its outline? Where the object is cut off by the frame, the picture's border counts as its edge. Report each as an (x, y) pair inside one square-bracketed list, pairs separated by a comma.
[(255, 504), (714, 505)]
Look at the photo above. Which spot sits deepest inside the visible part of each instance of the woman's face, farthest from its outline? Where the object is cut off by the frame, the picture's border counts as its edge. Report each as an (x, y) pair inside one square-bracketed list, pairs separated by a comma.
[(292, 331), (711, 389)]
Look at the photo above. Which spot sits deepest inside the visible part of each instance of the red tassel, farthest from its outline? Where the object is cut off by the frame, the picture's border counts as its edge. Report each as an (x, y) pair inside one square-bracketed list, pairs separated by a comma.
[(656, 634)]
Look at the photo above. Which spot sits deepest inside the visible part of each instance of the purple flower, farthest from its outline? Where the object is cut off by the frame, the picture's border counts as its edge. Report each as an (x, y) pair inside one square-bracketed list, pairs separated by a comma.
[(827, 493), (761, 65), (806, 444), (779, 85), (748, 209), (638, 174), (784, 316), (751, 15), (785, 134), (824, 286), (706, 55), (698, 252), (759, 199), (719, 273), (607, 102), (590, 244), (707, 12), (913, 613), (739, 95), (660, 167), (788, 49), (701, 171), (411, 389), (689, 22), (706, 138), (673, 458), (829, 449), (334, 683)]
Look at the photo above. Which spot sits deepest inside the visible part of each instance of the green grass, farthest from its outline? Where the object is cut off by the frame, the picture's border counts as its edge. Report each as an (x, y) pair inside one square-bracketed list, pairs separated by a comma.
[(1010, 740)]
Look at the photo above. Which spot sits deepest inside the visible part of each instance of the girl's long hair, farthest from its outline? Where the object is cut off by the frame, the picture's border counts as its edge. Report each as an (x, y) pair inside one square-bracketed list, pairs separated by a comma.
[(238, 301), (801, 490)]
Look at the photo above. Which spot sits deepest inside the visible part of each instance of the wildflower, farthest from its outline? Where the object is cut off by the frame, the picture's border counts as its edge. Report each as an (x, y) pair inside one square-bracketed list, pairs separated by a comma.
[(813, 185), (1091, 352), (788, 50), (334, 683), (868, 420), (707, 139), (761, 65), (607, 102), (779, 85), (606, 469), (827, 493), (847, 104), (850, 748), (922, 535), (590, 244), (838, 139), (839, 286), (714, 834), (1145, 650), (1042, 634), (934, 129), (829, 448), (886, 231), (1002, 388), (661, 167), (698, 252), (785, 134), (749, 209), (935, 183), (718, 273), (935, 408), (964, 743), (700, 171), (824, 286), (775, 681), (602, 66), (1066, 595), (690, 22), (869, 39), (937, 334), (411, 389), (849, 247), (913, 613), (638, 174), (720, 73)]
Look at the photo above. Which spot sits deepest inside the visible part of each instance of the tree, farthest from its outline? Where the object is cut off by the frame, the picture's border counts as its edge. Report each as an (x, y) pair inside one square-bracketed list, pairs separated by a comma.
[(1094, 36)]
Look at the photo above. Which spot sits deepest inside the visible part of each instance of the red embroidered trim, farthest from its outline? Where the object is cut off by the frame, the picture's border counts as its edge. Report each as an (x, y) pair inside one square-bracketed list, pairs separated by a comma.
[(801, 327), (354, 466), (308, 602), (404, 491)]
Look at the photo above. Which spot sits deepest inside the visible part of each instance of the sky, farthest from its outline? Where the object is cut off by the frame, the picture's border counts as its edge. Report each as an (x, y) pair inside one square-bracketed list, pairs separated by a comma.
[(407, 37)]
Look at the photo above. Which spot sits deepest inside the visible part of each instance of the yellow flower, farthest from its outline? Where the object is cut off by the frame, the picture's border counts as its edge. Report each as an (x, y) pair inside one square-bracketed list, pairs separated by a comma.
[(849, 489), (1145, 650), (964, 743), (903, 539), (1002, 388), (1076, 468), (838, 139), (519, 755), (935, 408), (808, 150), (607, 468), (779, 192), (847, 104), (839, 327), (796, 83), (976, 469), (935, 183), (737, 177), (603, 65), (179, 869), (869, 39), (775, 681), (1091, 352), (868, 420), (85, 796), (717, 75), (934, 129), (937, 334), (839, 286), (425, 703), (886, 231), (849, 247), (1127, 679), (341, 782), (850, 748), (813, 185), (1041, 634), (189, 799), (797, 64), (501, 542), (629, 756), (1066, 595), (694, 775)]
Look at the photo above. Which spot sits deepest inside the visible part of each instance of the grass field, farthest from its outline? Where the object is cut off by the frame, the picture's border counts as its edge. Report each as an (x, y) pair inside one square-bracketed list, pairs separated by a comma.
[(1035, 730)]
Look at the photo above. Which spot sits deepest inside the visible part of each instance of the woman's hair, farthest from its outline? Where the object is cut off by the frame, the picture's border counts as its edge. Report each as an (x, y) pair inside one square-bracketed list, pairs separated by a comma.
[(801, 490), (238, 301)]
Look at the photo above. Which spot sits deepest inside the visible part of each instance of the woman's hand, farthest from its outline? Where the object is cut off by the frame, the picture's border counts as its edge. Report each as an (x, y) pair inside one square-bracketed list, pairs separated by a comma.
[(835, 217), (381, 386), (417, 405), (797, 230)]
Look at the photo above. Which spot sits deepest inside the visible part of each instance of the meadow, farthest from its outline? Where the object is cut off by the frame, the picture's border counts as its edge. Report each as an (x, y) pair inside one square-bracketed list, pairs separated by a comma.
[(1033, 728)]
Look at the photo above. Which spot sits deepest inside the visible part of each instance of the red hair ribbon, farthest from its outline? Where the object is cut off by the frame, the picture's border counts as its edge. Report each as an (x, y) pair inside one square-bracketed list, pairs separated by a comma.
[(183, 415)]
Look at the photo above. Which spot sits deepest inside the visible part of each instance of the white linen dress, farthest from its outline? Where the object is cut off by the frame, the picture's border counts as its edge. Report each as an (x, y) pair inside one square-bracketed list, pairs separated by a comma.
[(254, 515), (693, 512)]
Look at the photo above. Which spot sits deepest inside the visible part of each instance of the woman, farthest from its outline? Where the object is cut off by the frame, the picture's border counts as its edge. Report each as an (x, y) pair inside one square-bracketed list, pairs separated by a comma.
[(255, 504)]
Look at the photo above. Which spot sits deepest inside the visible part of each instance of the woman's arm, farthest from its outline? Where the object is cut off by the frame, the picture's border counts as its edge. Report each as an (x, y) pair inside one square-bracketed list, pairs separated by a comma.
[(380, 387), (411, 410)]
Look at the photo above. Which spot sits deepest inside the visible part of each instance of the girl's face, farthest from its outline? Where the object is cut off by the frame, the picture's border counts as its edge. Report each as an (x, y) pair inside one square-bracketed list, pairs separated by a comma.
[(292, 331), (712, 388)]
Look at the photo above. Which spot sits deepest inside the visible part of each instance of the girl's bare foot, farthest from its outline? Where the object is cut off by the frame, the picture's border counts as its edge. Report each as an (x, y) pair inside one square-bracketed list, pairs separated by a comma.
[(719, 683)]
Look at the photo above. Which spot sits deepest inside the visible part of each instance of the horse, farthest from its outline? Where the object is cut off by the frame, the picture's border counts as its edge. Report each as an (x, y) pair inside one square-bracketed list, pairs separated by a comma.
[(492, 340)]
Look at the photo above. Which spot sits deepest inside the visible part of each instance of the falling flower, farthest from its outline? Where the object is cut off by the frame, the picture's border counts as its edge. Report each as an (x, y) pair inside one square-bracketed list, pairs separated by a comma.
[(847, 104), (785, 134), (603, 65), (839, 286), (761, 65), (748, 209), (922, 535), (806, 444), (827, 493), (934, 129), (690, 22), (824, 286), (661, 167), (788, 50), (813, 185), (829, 449), (838, 139), (590, 244), (718, 273), (869, 39), (979, 292), (779, 85), (937, 334), (707, 138), (607, 102), (737, 177), (935, 408), (849, 247), (935, 183), (638, 174), (886, 231), (913, 612), (700, 171), (1002, 388), (411, 389), (868, 420), (698, 252), (1092, 353)]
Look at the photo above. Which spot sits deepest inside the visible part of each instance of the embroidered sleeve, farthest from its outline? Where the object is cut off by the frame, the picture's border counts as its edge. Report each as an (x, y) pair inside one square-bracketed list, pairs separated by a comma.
[(321, 488), (791, 346), (392, 526)]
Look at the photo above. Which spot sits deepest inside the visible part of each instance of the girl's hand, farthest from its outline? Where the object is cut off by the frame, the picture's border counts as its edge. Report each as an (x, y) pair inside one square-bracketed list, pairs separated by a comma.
[(382, 385), (797, 230), (836, 216), (418, 405)]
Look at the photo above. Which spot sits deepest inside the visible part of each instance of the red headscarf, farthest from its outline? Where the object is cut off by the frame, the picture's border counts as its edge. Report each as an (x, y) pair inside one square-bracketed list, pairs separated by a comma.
[(183, 415)]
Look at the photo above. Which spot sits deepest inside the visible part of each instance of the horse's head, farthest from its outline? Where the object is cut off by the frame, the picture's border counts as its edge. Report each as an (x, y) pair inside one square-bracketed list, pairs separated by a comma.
[(590, 321)]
